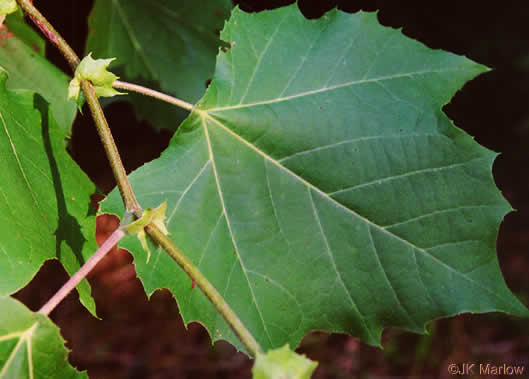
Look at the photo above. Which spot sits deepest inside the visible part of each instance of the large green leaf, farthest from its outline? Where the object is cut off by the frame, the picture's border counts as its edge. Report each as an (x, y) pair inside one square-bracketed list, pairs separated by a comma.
[(170, 42), (45, 209), (22, 55), (318, 185), (31, 346)]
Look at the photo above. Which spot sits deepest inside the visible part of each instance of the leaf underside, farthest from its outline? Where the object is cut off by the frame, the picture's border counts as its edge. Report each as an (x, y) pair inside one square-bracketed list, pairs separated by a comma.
[(31, 346), (162, 42), (45, 209), (318, 185)]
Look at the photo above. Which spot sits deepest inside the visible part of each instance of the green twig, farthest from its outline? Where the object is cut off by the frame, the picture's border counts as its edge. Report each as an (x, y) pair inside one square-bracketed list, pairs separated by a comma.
[(49, 31), (152, 93), (209, 290), (131, 204), (97, 112)]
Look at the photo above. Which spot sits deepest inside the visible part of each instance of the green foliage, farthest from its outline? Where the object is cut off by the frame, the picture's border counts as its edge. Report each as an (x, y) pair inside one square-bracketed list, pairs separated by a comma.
[(31, 346), (171, 44), (22, 55), (282, 363), (44, 196), (318, 185)]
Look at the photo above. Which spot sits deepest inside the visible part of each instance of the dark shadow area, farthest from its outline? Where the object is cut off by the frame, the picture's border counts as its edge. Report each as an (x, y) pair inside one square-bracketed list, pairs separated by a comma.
[(137, 143), (68, 229)]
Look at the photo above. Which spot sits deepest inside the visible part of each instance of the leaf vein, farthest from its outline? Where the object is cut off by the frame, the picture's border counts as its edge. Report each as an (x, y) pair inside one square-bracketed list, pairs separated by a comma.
[(386, 278), (438, 212), (340, 60), (333, 264), (179, 201), (23, 338), (221, 197), (377, 55), (134, 41), (358, 139), (260, 59), (400, 176), (203, 253), (19, 164), (331, 88), (302, 63)]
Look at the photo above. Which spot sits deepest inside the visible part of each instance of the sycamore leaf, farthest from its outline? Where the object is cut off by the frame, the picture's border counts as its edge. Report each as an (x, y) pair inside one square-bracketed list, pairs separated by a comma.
[(31, 346), (45, 209), (170, 42), (22, 55), (318, 185)]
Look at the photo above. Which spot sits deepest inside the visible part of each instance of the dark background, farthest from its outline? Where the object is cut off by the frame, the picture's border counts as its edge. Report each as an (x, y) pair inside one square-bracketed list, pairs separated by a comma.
[(137, 338)]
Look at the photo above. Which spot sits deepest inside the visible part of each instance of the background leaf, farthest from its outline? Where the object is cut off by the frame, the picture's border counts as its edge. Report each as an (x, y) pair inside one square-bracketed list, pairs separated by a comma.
[(30, 345), (171, 43), (45, 209), (319, 185), (22, 55)]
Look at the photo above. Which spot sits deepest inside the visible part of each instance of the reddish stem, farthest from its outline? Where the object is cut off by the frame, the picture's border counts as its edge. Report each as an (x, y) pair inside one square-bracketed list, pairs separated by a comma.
[(48, 33), (83, 271)]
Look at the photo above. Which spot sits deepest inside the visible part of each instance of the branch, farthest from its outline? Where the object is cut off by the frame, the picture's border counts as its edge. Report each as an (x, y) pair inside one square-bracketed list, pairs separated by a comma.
[(131, 204), (152, 93), (49, 31), (128, 196), (83, 271), (207, 288)]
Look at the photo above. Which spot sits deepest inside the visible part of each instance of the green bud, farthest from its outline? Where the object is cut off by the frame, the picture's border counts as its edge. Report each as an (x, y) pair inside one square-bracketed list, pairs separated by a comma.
[(94, 70), (155, 216), (7, 7), (282, 363)]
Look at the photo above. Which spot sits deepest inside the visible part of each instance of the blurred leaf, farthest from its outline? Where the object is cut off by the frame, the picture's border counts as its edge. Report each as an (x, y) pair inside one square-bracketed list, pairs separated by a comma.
[(172, 43)]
